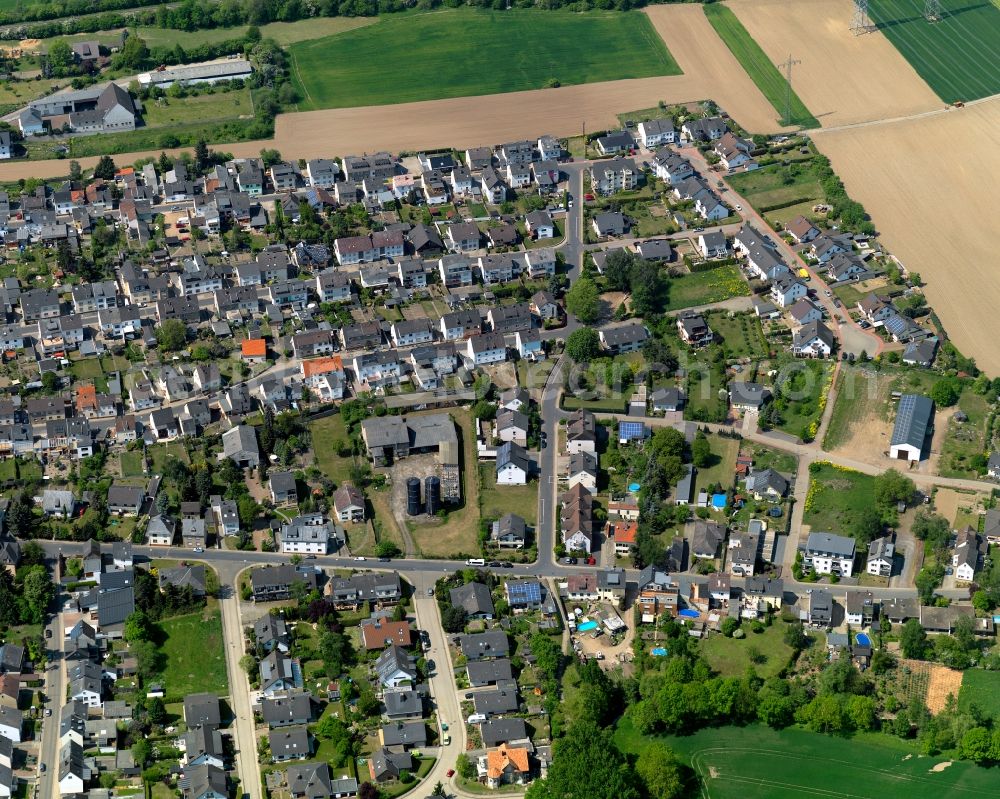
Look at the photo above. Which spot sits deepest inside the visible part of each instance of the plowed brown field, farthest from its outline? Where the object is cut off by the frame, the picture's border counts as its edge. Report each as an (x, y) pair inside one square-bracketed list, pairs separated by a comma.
[(928, 185), (843, 78)]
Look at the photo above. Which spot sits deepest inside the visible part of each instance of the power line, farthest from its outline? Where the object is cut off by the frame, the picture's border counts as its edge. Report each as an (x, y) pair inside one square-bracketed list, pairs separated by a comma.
[(932, 10), (861, 22), (787, 66)]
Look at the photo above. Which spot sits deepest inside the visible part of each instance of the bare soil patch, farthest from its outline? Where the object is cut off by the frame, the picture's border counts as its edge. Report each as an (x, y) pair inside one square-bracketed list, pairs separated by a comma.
[(925, 199), (843, 78), (943, 683)]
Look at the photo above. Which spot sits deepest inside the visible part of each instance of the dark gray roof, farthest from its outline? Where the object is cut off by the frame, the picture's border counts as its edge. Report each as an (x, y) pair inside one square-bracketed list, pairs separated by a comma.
[(296, 707), (402, 702), (485, 645), (484, 672), (830, 544), (404, 733), (202, 709), (490, 702), (498, 731), (289, 742), (914, 421), (474, 597)]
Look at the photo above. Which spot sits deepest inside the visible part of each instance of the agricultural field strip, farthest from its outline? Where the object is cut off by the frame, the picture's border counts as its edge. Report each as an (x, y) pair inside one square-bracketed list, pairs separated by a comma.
[(852, 764), (926, 49)]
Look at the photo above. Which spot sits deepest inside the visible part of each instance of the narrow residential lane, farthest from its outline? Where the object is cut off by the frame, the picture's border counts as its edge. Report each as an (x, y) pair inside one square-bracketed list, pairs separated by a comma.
[(239, 696)]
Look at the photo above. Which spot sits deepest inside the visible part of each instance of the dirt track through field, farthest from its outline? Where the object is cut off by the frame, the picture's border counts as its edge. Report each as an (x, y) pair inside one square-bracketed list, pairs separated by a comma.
[(710, 72), (928, 185), (843, 78)]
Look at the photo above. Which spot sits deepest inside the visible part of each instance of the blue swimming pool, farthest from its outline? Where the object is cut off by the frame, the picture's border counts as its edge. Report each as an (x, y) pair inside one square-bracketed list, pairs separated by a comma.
[(719, 501), (634, 487), (862, 639), (587, 626), (658, 651), (687, 613)]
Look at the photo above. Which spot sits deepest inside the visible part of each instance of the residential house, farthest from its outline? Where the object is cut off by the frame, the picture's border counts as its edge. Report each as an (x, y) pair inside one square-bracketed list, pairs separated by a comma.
[(349, 504), (512, 465), (624, 337), (748, 396), (308, 534), (475, 598), (395, 667), (881, 553), (826, 553), (694, 330), (967, 557), (509, 532), (656, 132), (705, 538)]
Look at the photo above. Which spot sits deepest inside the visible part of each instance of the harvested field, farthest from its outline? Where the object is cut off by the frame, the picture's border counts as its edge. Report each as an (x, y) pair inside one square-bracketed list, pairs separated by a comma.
[(710, 71), (942, 683), (843, 78), (937, 231)]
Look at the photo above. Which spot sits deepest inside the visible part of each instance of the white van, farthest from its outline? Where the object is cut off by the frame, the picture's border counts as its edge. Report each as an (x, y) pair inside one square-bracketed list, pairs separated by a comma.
[(475, 562), (477, 718)]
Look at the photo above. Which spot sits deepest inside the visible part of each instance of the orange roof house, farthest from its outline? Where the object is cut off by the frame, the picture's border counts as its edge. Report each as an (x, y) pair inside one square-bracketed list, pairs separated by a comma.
[(379, 633), (254, 348), (506, 764), (322, 366), (86, 398)]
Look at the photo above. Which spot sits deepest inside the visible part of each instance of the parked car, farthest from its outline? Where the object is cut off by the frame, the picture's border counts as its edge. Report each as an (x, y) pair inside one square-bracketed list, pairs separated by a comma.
[(450, 773), (359, 557), (198, 549), (507, 564), (430, 592)]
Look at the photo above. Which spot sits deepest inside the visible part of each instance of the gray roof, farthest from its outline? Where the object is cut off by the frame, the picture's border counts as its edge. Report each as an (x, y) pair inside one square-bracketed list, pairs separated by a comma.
[(484, 672), (241, 438), (498, 731), (202, 709), (289, 741), (394, 659), (499, 701), (404, 702), (192, 576), (750, 394), (404, 733), (830, 544), (474, 597), (295, 707), (914, 421), (485, 645), (201, 780)]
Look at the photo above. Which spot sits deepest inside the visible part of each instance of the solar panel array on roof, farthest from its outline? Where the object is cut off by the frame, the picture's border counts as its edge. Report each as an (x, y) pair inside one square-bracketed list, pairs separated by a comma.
[(524, 592), (913, 419), (630, 430)]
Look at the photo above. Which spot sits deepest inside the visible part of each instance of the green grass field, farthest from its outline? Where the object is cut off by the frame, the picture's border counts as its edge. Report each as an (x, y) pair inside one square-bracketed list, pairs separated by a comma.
[(957, 55), (836, 498), (195, 656), (463, 52), (799, 396), (760, 763), (495, 500), (965, 440), (723, 468), (199, 108), (703, 288), (284, 33), (758, 66), (980, 688), (741, 335), (777, 185), (731, 656)]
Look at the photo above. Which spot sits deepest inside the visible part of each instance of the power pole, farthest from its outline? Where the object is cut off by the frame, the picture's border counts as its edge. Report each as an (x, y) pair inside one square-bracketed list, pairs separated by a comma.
[(787, 66), (932, 10), (861, 22)]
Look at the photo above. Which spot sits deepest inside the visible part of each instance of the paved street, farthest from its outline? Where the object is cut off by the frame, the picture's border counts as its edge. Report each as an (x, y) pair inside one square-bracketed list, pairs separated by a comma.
[(55, 691), (245, 741)]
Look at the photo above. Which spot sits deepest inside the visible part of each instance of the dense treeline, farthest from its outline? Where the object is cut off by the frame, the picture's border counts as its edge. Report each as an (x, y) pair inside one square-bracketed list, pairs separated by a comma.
[(59, 18)]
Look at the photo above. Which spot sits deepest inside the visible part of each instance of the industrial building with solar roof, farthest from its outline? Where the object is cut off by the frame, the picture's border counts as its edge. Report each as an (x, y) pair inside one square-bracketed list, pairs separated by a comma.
[(913, 429)]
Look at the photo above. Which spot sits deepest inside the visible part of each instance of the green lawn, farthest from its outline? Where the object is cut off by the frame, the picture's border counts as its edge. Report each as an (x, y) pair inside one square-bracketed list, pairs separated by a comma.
[(767, 458), (86, 369), (757, 762), (981, 688), (195, 658), (462, 52), (964, 440), (159, 453), (325, 432), (132, 463), (723, 468), (798, 397), (777, 185), (703, 288), (731, 656), (957, 55), (495, 501), (169, 111), (741, 335), (836, 498), (758, 66), (706, 401)]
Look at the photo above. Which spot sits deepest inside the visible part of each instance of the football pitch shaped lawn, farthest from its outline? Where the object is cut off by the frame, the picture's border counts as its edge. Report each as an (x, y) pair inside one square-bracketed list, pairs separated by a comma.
[(757, 762), (958, 56), (467, 52)]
